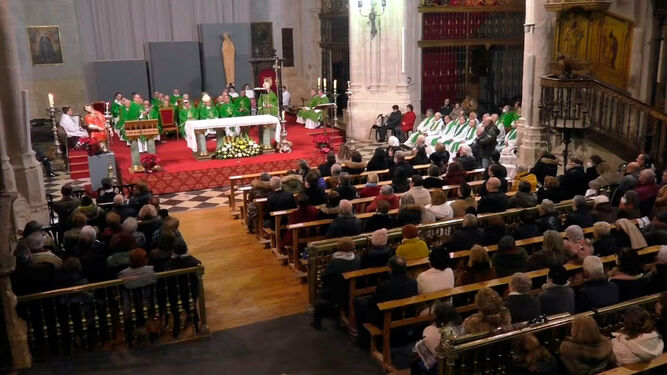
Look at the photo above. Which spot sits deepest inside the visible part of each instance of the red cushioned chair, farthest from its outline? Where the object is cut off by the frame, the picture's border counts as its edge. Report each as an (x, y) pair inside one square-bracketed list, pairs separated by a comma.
[(168, 121)]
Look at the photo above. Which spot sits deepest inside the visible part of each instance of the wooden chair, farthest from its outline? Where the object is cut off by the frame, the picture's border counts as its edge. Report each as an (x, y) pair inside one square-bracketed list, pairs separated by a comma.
[(168, 119)]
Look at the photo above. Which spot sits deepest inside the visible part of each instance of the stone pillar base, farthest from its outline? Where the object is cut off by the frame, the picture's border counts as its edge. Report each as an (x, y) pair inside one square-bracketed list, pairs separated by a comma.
[(531, 145)]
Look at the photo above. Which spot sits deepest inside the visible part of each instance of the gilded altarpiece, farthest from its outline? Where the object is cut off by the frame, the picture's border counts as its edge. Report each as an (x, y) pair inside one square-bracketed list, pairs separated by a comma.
[(601, 41)]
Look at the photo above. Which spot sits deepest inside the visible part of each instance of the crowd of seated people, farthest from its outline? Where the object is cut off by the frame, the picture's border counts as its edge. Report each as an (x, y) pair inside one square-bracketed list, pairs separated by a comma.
[(130, 241), (614, 229)]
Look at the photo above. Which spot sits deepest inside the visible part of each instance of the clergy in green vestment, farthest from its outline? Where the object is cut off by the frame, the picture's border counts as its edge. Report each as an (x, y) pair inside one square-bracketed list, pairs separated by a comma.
[(422, 129), (227, 109), (187, 112), (148, 112), (242, 103), (130, 111), (156, 100), (508, 118), (309, 115), (116, 105), (175, 97), (207, 110), (268, 105), (268, 102)]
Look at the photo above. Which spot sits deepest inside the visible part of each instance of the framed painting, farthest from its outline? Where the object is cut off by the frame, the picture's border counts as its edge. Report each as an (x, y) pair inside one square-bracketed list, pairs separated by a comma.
[(612, 55), (45, 45), (261, 39)]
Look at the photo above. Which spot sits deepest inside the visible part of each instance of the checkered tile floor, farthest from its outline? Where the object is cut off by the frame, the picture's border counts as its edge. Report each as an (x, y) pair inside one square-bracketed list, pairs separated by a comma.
[(189, 200)]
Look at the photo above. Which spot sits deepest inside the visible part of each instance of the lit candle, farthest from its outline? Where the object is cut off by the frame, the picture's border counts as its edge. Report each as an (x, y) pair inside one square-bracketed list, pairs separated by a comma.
[(283, 115), (106, 106), (325, 84), (319, 81), (348, 85), (51, 105), (335, 84)]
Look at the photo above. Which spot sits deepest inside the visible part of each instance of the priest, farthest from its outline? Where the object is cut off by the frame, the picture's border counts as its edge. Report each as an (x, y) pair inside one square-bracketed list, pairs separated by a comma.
[(187, 112), (268, 105), (227, 109), (96, 124), (464, 135), (175, 97), (422, 129), (242, 103), (116, 106), (310, 116)]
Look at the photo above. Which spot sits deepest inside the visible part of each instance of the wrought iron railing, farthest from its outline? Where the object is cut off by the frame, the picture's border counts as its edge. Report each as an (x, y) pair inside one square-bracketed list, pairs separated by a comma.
[(585, 103), (113, 313), (491, 353)]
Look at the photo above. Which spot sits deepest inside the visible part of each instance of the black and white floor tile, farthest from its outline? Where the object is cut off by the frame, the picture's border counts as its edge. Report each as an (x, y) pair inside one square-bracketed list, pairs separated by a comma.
[(189, 200)]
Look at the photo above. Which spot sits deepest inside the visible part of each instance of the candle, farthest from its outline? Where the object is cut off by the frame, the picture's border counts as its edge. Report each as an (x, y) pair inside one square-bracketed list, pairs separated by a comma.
[(348, 85), (106, 106), (283, 115), (51, 105), (335, 84), (325, 84), (319, 81)]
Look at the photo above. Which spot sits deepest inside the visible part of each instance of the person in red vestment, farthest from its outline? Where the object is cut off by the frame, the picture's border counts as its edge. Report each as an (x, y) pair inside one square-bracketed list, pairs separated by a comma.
[(96, 124), (408, 121)]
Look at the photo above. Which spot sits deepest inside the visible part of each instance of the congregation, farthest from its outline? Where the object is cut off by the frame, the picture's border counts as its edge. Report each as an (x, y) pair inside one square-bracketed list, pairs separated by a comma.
[(625, 210)]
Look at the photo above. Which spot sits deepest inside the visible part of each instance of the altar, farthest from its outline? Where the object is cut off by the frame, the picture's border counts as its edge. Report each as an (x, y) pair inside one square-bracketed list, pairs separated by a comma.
[(195, 129)]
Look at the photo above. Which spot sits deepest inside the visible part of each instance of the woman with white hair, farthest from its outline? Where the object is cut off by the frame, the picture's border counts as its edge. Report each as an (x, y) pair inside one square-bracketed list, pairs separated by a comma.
[(465, 157), (130, 226), (576, 246)]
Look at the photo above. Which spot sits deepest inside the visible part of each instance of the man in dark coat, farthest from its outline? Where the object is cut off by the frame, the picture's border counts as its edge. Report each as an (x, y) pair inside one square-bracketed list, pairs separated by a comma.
[(494, 200), (488, 141), (394, 123), (580, 215), (345, 224), (277, 200), (596, 291), (574, 181), (465, 237), (325, 169)]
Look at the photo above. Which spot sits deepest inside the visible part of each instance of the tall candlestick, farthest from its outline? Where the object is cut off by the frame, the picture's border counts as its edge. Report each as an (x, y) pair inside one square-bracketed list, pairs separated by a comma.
[(283, 115), (319, 82), (335, 84), (325, 85), (106, 106), (51, 105)]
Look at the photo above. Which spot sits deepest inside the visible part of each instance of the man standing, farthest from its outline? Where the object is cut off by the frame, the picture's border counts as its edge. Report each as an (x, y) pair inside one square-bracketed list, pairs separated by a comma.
[(286, 98), (242, 103), (446, 107), (175, 97), (227, 109), (116, 106), (487, 141), (268, 105), (186, 113)]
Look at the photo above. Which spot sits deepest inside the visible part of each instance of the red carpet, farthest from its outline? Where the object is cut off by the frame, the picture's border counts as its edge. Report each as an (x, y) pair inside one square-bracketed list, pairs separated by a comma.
[(182, 172)]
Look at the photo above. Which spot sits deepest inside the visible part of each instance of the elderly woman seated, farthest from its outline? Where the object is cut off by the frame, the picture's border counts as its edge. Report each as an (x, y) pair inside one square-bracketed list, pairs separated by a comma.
[(491, 313)]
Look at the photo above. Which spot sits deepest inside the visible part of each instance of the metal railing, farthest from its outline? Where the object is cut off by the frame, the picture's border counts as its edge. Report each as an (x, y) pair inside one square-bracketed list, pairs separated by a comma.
[(585, 103), (491, 353), (114, 313)]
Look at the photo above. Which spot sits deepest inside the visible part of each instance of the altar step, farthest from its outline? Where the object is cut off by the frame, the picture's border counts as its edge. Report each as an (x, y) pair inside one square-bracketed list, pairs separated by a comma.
[(78, 164)]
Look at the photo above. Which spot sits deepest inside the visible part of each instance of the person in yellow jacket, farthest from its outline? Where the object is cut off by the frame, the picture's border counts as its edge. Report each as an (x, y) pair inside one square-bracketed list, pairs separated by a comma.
[(412, 246), (522, 174)]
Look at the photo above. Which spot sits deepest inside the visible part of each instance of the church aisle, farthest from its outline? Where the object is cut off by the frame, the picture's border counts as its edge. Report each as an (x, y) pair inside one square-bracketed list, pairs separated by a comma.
[(243, 282)]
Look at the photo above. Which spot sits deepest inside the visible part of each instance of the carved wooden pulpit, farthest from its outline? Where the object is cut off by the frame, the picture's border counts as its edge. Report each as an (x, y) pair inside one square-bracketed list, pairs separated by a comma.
[(134, 131)]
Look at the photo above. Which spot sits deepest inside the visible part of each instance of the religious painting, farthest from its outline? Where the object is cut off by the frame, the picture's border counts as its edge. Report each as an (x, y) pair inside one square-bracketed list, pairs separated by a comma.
[(261, 39), (573, 36), (613, 50), (45, 45)]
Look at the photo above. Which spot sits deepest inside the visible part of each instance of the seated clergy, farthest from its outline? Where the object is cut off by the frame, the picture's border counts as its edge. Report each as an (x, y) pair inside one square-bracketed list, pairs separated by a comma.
[(422, 128), (70, 123)]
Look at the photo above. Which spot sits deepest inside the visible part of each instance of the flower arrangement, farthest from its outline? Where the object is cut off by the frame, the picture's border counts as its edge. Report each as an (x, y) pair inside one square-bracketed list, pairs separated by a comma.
[(241, 146), (323, 143), (150, 162), (88, 144)]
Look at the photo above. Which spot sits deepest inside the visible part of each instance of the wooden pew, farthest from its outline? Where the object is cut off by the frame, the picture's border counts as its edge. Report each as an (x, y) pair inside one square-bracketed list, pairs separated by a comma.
[(390, 309), (245, 178), (639, 367)]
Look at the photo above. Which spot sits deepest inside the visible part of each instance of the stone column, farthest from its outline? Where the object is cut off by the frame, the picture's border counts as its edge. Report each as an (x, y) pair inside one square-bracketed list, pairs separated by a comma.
[(384, 70), (537, 52), (31, 201)]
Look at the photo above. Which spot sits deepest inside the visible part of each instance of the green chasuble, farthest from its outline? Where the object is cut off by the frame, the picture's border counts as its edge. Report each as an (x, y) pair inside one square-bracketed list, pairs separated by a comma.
[(208, 113), (184, 115), (155, 102), (266, 99), (227, 110), (130, 113), (173, 99), (508, 119), (242, 104)]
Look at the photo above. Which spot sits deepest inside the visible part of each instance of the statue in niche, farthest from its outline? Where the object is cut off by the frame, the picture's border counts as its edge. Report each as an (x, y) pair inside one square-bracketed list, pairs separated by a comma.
[(609, 49), (228, 53), (571, 39)]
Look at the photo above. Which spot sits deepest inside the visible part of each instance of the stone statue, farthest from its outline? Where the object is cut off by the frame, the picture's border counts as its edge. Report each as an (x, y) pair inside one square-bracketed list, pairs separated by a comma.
[(228, 52)]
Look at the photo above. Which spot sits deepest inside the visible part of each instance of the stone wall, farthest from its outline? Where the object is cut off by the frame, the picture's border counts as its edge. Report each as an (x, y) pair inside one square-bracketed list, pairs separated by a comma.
[(66, 80)]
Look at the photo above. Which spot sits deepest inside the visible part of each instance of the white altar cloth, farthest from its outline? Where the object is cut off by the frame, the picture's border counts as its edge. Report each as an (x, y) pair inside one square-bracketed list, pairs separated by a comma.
[(228, 122)]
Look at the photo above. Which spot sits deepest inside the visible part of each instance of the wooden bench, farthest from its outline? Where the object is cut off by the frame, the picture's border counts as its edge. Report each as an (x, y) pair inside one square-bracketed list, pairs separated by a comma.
[(640, 367), (401, 308)]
